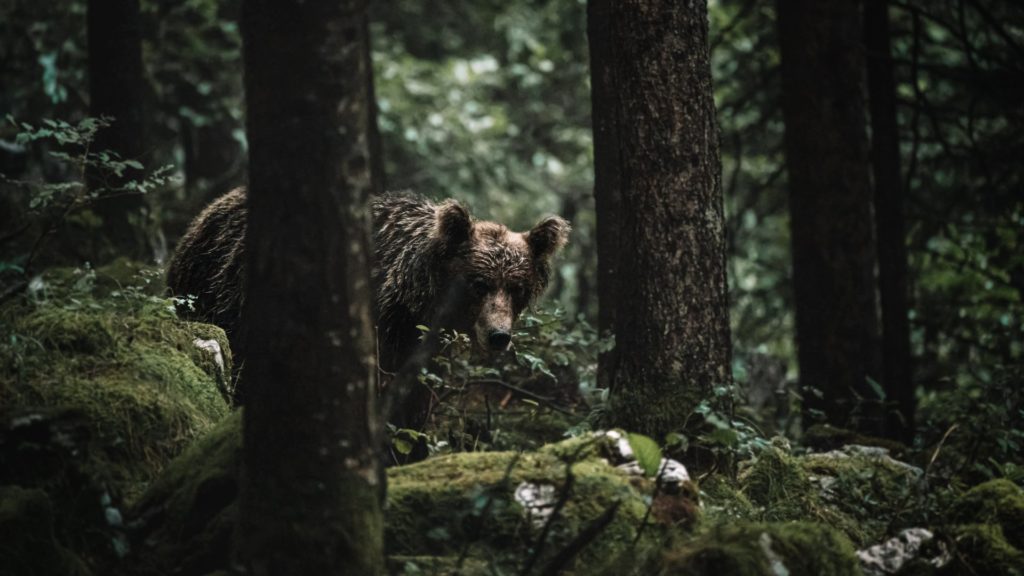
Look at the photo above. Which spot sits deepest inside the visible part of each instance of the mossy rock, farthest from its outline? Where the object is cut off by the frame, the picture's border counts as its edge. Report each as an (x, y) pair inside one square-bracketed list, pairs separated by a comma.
[(27, 541), (436, 509), (437, 506), (867, 485), (137, 377), (859, 490), (765, 549), (996, 502), (187, 516), (780, 487), (983, 549)]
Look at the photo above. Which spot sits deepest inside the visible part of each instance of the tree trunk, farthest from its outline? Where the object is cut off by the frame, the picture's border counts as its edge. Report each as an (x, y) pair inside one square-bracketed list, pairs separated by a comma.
[(603, 102), (607, 186), (671, 316), (830, 210), (890, 222), (116, 89), (311, 495)]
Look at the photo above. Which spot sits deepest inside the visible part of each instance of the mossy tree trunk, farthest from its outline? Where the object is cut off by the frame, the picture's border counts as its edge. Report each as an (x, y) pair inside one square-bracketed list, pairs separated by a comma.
[(116, 89), (671, 318), (830, 209), (890, 222), (312, 485)]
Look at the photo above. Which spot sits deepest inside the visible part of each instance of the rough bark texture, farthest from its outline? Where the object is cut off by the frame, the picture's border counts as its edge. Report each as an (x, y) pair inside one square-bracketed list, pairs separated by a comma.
[(830, 209), (310, 498), (116, 89), (890, 222), (607, 194), (671, 315)]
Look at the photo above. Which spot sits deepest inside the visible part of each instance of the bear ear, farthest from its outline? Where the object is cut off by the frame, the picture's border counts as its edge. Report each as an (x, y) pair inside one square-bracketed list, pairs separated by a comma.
[(548, 237), (453, 223)]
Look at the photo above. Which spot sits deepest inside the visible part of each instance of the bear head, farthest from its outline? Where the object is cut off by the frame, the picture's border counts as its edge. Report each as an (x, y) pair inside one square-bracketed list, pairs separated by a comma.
[(491, 274)]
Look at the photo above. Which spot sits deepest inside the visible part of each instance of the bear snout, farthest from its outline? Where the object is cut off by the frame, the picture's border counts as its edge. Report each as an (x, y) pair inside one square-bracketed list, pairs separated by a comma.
[(498, 340)]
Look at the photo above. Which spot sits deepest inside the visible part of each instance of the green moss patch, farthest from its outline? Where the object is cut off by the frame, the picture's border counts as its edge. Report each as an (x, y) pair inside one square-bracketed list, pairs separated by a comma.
[(996, 502), (765, 549), (122, 361), (983, 549)]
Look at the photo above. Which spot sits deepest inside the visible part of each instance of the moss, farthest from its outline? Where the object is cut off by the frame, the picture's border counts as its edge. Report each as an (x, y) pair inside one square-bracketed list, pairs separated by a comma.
[(131, 370), (723, 500), (996, 502), (188, 513), (101, 386), (439, 505), (780, 487), (27, 542), (869, 487), (983, 549), (769, 549)]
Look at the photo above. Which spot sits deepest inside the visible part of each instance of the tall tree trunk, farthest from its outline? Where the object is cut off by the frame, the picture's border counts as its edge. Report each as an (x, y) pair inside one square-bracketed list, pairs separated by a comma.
[(671, 318), (311, 495), (830, 210), (890, 222), (116, 89), (607, 193), (607, 185)]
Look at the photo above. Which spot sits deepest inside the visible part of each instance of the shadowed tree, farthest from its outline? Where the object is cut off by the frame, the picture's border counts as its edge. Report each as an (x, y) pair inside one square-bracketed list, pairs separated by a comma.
[(671, 319), (890, 221), (830, 209), (116, 89), (606, 169), (312, 479)]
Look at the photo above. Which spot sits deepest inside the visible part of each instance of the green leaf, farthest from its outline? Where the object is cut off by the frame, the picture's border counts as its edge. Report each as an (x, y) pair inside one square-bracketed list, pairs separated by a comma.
[(647, 452), (876, 388), (403, 446)]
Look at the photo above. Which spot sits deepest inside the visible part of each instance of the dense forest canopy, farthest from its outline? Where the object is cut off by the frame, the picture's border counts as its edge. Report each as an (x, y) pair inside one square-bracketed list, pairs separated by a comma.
[(797, 230)]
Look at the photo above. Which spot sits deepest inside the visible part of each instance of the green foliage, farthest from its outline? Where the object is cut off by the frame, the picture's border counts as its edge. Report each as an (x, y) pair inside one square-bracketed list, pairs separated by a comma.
[(44, 206), (975, 427), (551, 371)]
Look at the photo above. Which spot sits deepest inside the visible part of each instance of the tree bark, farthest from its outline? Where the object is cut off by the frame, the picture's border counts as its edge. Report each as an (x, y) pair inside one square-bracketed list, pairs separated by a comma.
[(830, 210), (116, 90), (312, 482), (607, 193), (890, 222), (671, 316)]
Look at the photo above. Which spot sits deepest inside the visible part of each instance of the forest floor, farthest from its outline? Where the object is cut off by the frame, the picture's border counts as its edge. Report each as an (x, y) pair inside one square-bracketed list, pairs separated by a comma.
[(120, 454)]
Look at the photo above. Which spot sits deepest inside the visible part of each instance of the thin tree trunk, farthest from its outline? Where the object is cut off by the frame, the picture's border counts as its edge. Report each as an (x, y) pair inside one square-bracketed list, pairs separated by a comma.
[(890, 222), (830, 210), (607, 193), (312, 479), (116, 89), (671, 306)]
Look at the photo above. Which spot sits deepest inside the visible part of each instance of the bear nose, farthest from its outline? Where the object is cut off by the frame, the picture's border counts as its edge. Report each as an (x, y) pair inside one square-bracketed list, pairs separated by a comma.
[(499, 339)]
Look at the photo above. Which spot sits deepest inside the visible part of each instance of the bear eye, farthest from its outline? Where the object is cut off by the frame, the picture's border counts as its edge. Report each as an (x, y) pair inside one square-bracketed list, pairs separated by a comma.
[(480, 286)]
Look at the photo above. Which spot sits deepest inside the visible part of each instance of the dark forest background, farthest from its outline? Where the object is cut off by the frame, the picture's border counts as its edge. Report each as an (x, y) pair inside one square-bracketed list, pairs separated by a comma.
[(489, 102), (874, 259)]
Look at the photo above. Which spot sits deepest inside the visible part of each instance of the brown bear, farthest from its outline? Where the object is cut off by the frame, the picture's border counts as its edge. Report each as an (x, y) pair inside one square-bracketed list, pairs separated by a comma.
[(434, 266)]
